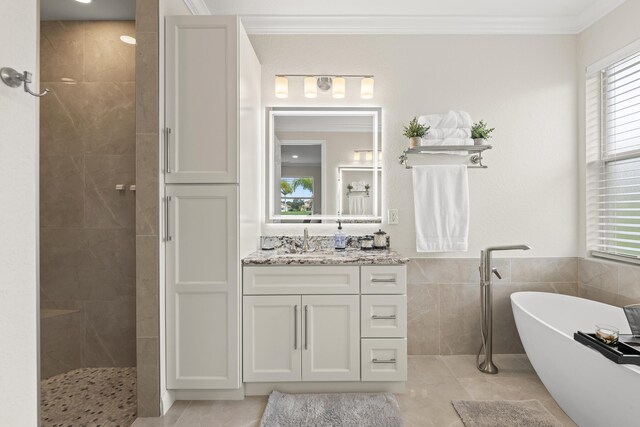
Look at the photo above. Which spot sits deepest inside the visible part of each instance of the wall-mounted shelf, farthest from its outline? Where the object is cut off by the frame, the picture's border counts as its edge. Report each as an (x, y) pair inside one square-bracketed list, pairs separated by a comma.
[(474, 150), (358, 193)]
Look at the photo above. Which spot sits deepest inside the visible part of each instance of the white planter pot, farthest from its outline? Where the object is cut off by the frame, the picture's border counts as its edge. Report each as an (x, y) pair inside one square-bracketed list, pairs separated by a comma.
[(414, 142), (479, 141)]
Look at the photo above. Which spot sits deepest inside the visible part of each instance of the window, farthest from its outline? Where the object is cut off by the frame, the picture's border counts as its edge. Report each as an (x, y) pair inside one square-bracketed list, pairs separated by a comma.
[(613, 119), (296, 196)]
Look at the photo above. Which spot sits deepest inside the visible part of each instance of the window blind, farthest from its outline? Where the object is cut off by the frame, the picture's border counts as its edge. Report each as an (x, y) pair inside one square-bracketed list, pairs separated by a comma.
[(617, 205)]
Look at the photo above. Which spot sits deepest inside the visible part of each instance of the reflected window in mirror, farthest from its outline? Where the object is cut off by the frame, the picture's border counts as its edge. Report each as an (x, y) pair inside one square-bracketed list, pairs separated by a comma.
[(324, 164)]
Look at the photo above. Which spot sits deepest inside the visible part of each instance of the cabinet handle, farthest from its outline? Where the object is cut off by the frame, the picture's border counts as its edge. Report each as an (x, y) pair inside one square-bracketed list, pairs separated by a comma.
[(295, 327), (306, 327), (167, 235), (383, 280), (384, 361), (167, 150), (376, 317)]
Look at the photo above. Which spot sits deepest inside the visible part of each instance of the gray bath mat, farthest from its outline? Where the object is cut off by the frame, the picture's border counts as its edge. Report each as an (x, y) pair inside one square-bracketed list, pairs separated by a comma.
[(332, 410), (512, 413)]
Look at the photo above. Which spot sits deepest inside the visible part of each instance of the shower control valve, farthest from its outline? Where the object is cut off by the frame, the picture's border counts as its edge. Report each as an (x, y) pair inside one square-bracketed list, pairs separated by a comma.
[(496, 272)]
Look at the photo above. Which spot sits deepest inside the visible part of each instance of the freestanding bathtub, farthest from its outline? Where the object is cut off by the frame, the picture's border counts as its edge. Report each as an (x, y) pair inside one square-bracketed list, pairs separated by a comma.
[(591, 389)]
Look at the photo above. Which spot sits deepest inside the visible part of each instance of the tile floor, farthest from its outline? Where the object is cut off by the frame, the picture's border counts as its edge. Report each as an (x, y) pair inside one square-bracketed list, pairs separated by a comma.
[(434, 381), (89, 397)]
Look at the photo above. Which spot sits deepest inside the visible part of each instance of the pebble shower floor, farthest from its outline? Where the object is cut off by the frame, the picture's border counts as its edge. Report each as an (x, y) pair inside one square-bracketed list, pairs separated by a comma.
[(89, 397)]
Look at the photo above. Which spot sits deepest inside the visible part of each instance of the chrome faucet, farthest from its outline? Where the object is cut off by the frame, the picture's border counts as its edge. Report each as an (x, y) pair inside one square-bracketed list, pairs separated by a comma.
[(305, 242), (486, 270)]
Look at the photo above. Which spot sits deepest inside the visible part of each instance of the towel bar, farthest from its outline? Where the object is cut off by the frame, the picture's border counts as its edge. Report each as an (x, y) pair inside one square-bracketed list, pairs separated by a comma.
[(474, 150)]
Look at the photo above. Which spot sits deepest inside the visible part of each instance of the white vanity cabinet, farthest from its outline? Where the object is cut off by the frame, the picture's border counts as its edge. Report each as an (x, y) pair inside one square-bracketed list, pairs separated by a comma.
[(205, 59), (203, 348), (314, 324), (213, 118), (301, 338)]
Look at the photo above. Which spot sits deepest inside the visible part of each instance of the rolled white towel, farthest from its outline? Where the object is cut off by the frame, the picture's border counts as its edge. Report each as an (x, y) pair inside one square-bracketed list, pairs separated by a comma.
[(448, 133), (452, 119), (447, 141)]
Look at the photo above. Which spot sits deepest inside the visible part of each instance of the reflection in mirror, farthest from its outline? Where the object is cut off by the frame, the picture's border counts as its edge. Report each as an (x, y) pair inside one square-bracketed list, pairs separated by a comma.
[(324, 165)]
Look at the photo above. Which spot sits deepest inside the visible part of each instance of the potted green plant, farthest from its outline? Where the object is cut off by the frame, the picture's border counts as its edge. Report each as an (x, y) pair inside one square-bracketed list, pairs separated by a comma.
[(480, 132), (415, 132), (349, 187)]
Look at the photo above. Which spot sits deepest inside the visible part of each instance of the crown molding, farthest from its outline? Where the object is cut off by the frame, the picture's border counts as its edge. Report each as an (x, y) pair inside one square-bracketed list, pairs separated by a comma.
[(197, 7), (416, 24), (406, 25)]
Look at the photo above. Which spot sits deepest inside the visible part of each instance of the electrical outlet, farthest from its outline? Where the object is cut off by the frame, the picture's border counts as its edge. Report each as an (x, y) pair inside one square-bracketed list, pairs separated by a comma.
[(393, 216)]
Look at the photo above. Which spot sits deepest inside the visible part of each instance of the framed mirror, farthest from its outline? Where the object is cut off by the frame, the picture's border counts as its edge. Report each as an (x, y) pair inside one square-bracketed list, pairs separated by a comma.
[(323, 164)]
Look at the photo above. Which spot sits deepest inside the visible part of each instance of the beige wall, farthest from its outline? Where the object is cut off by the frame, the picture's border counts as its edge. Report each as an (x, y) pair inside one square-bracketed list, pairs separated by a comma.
[(525, 86), (87, 143)]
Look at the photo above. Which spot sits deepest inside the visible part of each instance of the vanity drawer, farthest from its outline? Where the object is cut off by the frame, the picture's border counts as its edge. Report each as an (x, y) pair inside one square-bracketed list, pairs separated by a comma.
[(383, 279), (300, 280), (383, 359), (383, 316)]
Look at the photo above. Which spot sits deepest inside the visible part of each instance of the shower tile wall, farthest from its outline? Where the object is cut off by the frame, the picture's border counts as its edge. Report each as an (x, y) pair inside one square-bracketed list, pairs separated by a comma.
[(444, 300), (87, 134)]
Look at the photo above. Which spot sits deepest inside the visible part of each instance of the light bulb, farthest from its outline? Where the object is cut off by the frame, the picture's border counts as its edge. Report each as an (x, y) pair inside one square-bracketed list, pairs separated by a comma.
[(282, 87), (369, 155), (339, 85), (366, 88), (127, 39), (310, 87), (356, 156), (83, 1)]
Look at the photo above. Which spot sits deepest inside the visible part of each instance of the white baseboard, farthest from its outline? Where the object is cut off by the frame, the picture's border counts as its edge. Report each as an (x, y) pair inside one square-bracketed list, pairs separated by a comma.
[(166, 401), (235, 394), (263, 389)]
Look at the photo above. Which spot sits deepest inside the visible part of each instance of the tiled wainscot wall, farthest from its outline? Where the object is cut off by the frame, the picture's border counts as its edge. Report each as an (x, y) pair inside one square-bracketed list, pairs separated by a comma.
[(444, 297), (87, 146)]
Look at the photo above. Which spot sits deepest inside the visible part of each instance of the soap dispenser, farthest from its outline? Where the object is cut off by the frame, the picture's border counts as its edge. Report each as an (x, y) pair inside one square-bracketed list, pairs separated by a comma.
[(340, 239)]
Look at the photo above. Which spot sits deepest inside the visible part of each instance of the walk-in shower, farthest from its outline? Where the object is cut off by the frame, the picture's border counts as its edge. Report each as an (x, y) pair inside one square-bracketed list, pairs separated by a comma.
[(486, 310)]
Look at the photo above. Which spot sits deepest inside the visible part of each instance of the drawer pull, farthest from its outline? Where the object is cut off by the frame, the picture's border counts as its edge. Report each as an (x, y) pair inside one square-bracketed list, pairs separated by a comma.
[(383, 280), (384, 361), (377, 317)]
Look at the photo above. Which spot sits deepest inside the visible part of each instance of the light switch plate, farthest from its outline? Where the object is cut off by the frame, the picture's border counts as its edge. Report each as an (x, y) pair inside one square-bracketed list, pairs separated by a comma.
[(393, 216)]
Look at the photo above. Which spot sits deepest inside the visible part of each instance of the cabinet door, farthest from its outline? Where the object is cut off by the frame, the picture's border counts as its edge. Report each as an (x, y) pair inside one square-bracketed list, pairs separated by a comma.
[(201, 100), (202, 269), (331, 338), (272, 338)]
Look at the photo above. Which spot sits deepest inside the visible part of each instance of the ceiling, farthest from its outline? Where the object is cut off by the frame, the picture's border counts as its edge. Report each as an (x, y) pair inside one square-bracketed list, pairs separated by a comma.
[(410, 16), (97, 10), (307, 154)]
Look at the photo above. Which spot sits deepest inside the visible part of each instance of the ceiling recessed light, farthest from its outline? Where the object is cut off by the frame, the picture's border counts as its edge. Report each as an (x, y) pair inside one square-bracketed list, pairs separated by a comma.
[(83, 1), (127, 39), (295, 156)]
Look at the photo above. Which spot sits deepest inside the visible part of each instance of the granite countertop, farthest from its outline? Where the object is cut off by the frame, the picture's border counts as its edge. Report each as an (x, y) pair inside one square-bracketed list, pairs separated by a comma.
[(325, 257)]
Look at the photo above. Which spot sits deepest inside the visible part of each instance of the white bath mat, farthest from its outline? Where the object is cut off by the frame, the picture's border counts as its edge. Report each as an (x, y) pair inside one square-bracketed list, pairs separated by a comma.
[(332, 409), (512, 413)]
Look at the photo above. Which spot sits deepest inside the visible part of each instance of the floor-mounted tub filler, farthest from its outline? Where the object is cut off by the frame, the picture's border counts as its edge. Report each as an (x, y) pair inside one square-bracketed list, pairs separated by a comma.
[(591, 389)]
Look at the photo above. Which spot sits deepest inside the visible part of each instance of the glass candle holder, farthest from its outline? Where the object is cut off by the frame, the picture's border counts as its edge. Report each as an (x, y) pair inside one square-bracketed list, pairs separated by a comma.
[(607, 334)]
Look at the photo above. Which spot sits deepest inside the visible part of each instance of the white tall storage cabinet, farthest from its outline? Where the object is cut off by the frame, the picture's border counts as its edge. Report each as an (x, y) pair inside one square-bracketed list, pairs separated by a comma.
[(212, 120)]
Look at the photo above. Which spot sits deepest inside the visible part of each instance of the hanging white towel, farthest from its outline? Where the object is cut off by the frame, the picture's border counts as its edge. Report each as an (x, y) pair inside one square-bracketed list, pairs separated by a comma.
[(436, 133), (441, 200)]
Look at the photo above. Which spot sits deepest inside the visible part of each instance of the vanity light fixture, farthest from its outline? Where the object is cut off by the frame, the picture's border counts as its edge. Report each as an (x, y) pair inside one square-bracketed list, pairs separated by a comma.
[(282, 87), (368, 155), (366, 88), (294, 156), (310, 87), (84, 1), (339, 87), (127, 39), (336, 83)]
